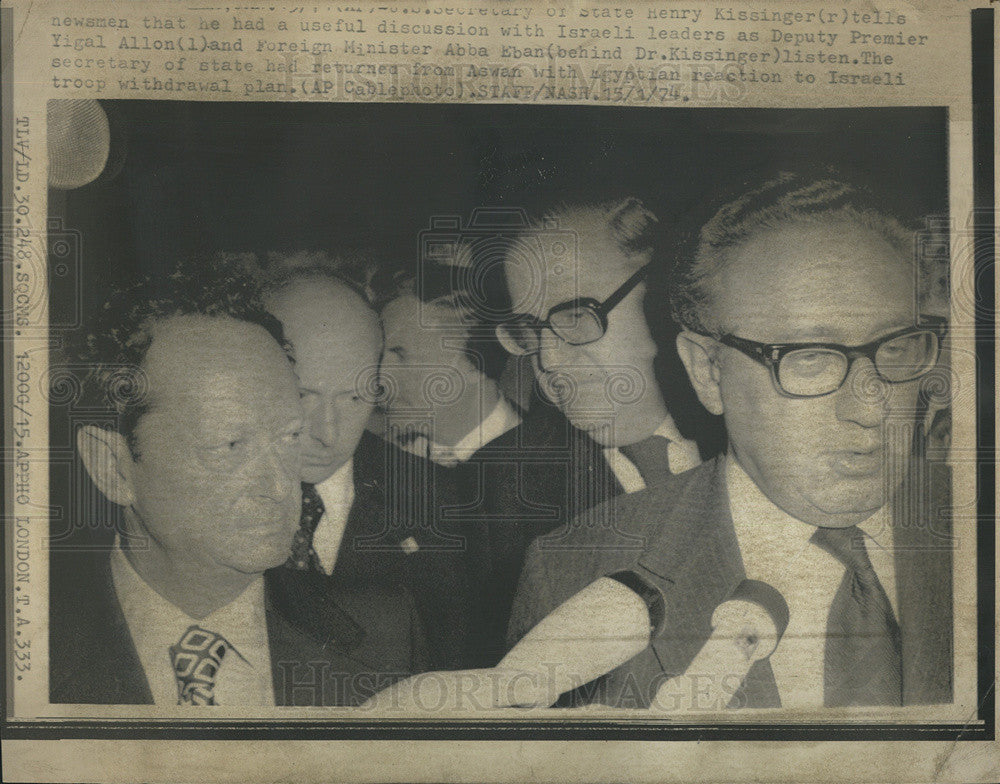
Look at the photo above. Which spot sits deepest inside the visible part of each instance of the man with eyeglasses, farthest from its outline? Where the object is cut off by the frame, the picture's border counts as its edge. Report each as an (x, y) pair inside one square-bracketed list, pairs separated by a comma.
[(807, 329), (581, 321), (603, 427)]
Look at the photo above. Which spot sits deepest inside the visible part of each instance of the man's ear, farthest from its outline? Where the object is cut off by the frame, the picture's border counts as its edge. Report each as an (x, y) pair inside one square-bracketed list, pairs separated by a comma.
[(108, 460), (698, 352)]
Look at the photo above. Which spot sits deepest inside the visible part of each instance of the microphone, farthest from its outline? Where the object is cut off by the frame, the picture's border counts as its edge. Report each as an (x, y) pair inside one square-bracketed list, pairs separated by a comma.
[(746, 628), (588, 635)]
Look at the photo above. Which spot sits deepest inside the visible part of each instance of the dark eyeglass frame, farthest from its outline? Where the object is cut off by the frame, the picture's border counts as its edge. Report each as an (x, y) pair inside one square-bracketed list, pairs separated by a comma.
[(598, 308), (770, 354)]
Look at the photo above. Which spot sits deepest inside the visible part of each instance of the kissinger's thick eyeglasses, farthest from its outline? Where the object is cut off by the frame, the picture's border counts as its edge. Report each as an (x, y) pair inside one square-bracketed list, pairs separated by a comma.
[(816, 369), (577, 322)]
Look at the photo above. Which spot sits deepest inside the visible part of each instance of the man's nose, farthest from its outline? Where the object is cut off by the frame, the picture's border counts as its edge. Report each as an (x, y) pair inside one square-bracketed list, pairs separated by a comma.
[(279, 472), (864, 396), (553, 351), (322, 420)]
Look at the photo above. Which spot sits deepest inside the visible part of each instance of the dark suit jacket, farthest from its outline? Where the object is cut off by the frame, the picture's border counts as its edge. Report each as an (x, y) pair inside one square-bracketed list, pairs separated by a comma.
[(329, 646), (471, 523), (684, 541), (526, 483), (397, 536)]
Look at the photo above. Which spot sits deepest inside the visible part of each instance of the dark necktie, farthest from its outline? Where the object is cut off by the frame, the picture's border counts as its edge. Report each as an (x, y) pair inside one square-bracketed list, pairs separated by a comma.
[(650, 458), (303, 555), (863, 663), (196, 659)]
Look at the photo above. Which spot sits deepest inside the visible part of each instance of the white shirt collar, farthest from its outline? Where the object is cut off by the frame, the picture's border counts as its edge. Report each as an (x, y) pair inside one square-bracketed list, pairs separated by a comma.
[(502, 418), (669, 430), (338, 485), (155, 624), (337, 494), (682, 453)]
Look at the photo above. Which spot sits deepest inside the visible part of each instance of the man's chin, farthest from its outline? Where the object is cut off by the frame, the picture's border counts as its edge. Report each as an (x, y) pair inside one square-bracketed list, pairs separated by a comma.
[(262, 559), (319, 469), (607, 434), (850, 508), (601, 433)]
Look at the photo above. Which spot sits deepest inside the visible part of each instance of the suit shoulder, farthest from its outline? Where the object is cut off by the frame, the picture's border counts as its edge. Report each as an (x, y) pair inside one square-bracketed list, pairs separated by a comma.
[(624, 522)]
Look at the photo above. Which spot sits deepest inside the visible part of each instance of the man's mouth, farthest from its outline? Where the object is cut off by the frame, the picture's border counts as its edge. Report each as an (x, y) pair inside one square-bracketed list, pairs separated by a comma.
[(317, 458), (271, 517), (863, 462)]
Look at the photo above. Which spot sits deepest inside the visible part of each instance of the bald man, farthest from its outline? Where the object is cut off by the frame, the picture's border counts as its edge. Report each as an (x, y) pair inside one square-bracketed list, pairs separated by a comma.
[(337, 342), (354, 526)]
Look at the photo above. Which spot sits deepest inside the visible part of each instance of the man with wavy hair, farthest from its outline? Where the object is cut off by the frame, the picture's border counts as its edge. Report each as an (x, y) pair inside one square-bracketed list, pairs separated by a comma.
[(202, 453)]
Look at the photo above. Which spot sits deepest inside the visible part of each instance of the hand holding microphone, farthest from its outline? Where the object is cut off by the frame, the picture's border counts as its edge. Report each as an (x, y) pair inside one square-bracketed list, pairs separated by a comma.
[(588, 635), (746, 628)]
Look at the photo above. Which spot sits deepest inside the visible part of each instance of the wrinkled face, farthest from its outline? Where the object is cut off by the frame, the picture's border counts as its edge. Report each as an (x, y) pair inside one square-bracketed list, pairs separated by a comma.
[(423, 366), (604, 387), (336, 340), (825, 460), (217, 476)]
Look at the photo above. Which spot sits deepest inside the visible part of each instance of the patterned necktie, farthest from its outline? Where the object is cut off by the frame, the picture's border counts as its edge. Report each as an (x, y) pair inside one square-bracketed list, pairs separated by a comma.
[(863, 663), (303, 556), (650, 457), (196, 659)]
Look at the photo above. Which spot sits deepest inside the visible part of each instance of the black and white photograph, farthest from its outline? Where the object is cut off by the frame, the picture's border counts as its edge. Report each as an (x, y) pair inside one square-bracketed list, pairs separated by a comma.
[(484, 392), (473, 410)]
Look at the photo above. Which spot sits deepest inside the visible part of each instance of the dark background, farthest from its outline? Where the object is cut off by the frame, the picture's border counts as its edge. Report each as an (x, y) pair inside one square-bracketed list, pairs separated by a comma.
[(244, 176)]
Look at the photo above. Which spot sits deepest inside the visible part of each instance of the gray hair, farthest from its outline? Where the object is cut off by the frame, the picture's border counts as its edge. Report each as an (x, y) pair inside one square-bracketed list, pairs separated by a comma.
[(786, 199)]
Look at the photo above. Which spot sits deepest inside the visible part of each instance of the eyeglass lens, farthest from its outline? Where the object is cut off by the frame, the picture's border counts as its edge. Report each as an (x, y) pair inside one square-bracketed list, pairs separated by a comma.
[(576, 326), (817, 371)]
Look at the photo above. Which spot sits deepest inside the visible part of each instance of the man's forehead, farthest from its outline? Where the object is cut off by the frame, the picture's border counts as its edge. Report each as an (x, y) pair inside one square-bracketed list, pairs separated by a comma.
[(800, 253), (197, 341), (408, 316), (581, 251), (204, 361), (814, 280), (538, 283), (325, 319), (319, 302)]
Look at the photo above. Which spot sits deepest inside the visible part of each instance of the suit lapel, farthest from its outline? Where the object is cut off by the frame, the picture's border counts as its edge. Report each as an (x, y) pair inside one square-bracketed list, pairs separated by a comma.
[(307, 633), (303, 599), (398, 497), (130, 678), (592, 480), (573, 458), (368, 538), (694, 556), (106, 667)]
